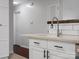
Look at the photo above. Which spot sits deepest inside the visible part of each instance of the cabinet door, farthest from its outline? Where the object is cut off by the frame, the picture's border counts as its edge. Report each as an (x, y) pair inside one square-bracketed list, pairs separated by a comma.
[(56, 57), (36, 54), (4, 28), (60, 55), (4, 48), (4, 23)]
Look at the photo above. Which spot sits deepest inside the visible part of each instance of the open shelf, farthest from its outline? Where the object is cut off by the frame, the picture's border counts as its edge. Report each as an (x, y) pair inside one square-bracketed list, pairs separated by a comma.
[(65, 21)]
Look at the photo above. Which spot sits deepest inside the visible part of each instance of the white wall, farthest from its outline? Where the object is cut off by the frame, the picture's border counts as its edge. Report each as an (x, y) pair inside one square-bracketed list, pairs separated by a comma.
[(30, 20), (70, 9)]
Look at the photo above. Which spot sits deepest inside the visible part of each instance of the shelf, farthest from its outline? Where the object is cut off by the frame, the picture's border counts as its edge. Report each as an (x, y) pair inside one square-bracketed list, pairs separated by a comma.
[(65, 21)]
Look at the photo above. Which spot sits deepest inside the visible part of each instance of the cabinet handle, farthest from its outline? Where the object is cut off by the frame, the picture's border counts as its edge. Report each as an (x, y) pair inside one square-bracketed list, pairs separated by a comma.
[(44, 53), (47, 54), (36, 42), (58, 46)]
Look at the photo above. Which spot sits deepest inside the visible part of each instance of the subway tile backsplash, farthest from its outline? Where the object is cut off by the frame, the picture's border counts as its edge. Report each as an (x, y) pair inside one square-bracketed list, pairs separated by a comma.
[(66, 29), (75, 27), (66, 26), (70, 32)]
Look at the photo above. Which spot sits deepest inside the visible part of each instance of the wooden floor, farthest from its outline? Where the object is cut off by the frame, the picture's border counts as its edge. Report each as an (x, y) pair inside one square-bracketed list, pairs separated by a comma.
[(15, 56)]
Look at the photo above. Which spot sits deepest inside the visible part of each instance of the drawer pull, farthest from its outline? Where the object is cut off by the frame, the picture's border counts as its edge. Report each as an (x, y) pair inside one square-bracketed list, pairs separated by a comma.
[(58, 46), (36, 42), (47, 54), (44, 53)]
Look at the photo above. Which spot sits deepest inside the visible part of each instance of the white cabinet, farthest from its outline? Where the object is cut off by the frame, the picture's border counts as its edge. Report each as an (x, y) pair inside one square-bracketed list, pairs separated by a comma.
[(4, 28), (4, 48), (60, 55), (61, 50), (68, 48), (4, 23), (55, 57), (42, 49), (37, 49), (36, 53), (37, 43)]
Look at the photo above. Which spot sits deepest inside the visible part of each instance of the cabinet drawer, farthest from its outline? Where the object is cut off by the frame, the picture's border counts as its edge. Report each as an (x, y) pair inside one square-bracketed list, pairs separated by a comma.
[(37, 43), (62, 47)]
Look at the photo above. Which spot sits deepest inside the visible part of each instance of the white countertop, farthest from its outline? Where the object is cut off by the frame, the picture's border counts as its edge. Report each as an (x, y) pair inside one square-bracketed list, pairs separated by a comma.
[(66, 38)]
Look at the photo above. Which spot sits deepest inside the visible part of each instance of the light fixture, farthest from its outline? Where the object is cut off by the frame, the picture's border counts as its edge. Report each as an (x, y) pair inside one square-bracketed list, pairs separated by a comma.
[(15, 3), (30, 5)]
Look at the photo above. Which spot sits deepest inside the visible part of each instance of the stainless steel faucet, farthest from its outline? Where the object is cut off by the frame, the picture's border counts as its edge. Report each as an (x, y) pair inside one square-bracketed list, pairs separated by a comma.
[(55, 18)]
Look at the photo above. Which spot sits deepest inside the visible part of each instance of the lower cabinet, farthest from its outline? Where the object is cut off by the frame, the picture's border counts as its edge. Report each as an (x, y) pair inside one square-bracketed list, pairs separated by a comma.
[(56, 57), (36, 54), (60, 55), (40, 49)]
